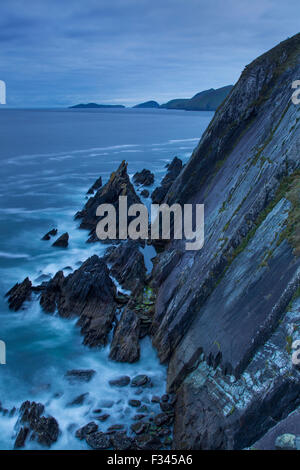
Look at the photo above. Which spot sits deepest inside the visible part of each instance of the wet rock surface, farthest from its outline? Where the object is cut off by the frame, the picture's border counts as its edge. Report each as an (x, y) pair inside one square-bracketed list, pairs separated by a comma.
[(19, 294), (144, 177), (97, 185), (122, 381), (118, 185), (33, 425), (78, 375), (223, 317), (50, 234), (125, 345), (127, 264), (173, 170), (88, 293), (62, 241)]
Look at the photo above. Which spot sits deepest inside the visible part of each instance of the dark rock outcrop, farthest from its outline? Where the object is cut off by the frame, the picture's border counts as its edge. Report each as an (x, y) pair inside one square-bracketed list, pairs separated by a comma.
[(173, 170), (145, 193), (50, 234), (127, 265), (19, 294), (144, 177), (125, 345), (97, 185), (88, 293), (44, 430), (118, 185), (62, 241)]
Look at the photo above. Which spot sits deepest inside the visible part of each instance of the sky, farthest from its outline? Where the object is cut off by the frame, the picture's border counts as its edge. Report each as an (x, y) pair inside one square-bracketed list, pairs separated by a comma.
[(57, 53)]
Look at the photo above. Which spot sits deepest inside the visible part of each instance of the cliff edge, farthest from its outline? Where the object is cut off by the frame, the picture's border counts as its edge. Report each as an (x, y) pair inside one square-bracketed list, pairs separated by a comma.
[(226, 316)]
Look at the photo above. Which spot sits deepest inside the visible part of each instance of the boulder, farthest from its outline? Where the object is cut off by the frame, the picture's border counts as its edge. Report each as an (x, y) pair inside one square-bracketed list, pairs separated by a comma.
[(120, 381), (120, 441), (134, 403), (89, 428), (98, 441), (140, 380)]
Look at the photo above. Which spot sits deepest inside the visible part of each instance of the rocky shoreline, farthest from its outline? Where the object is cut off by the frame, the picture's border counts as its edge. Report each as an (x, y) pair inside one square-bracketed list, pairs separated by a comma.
[(224, 319), (106, 314)]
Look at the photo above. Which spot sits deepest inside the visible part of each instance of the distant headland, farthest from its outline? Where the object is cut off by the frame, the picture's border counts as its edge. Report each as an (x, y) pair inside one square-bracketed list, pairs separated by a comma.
[(207, 100), (95, 105)]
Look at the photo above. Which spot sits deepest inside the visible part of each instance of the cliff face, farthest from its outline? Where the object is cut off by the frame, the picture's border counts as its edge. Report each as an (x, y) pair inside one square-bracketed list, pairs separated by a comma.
[(226, 316)]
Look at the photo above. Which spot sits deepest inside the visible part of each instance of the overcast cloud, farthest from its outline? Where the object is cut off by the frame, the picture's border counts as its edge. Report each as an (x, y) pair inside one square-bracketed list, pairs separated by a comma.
[(61, 52)]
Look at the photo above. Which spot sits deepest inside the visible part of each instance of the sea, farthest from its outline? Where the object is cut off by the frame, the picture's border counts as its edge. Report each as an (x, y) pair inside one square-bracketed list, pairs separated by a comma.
[(49, 158)]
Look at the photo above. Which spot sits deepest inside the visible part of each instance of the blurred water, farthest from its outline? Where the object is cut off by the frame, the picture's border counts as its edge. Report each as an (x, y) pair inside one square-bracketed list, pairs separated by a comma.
[(49, 158)]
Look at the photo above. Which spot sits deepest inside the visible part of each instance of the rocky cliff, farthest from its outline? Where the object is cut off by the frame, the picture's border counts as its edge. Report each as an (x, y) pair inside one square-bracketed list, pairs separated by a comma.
[(226, 316)]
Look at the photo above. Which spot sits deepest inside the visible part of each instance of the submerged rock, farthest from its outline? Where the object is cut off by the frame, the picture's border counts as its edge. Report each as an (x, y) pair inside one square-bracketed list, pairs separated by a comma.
[(62, 241), (144, 178), (80, 375), (79, 400)]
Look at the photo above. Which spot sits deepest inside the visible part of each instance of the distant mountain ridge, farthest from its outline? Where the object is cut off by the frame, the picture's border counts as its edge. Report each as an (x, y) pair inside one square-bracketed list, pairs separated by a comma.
[(95, 105), (207, 100), (148, 104)]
